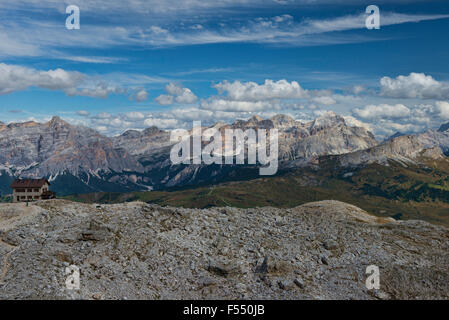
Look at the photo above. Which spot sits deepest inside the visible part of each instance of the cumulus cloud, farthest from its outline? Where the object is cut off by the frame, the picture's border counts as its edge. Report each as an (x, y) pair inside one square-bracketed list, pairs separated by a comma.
[(141, 95), (388, 127), (251, 91), (415, 85), (83, 113), (388, 119), (326, 100), (176, 93), (102, 115), (230, 105), (443, 108), (17, 78), (165, 99), (134, 115), (183, 95), (269, 96), (383, 111), (161, 123), (357, 89)]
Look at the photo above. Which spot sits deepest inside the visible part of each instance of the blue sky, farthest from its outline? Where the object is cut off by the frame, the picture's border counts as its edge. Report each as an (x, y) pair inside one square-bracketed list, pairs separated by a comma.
[(166, 63)]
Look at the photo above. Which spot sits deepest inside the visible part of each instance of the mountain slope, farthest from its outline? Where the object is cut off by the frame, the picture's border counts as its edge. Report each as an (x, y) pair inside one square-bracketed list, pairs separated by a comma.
[(299, 143), (412, 192), (53, 147), (57, 148), (80, 160), (413, 148)]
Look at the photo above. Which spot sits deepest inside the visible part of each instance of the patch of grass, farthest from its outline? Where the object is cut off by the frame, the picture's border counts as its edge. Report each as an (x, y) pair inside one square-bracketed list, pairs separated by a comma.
[(420, 192)]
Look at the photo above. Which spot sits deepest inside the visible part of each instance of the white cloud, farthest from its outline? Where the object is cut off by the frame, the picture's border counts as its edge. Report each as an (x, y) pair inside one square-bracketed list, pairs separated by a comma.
[(12, 46), (134, 25), (251, 91), (324, 100), (415, 85), (284, 30), (162, 123), (100, 90), (388, 119), (158, 30), (83, 113), (176, 93), (102, 115), (443, 108), (248, 106), (197, 27), (99, 60), (183, 95), (134, 115), (382, 111), (165, 99), (388, 127), (17, 78), (141, 95), (357, 89)]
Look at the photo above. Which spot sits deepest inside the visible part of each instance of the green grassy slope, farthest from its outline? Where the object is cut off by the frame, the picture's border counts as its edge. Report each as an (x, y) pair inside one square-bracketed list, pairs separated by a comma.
[(395, 191)]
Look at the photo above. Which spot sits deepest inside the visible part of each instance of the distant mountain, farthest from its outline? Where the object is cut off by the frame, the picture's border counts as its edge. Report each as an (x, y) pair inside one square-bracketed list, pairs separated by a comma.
[(78, 159), (329, 134), (299, 143), (86, 160), (407, 149)]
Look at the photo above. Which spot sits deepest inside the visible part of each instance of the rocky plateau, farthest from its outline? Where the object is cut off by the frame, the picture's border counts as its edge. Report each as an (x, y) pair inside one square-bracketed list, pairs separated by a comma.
[(135, 250)]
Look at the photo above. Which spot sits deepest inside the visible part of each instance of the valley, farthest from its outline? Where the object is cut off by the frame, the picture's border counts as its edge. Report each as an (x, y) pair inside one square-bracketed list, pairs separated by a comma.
[(394, 191)]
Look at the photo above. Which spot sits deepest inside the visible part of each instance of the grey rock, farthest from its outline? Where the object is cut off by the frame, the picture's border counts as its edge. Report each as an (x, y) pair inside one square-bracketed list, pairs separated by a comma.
[(286, 284), (330, 244), (299, 283), (137, 260), (324, 260)]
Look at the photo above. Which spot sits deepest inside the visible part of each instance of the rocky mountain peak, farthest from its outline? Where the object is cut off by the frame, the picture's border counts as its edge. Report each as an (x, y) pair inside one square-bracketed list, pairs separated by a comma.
[(47, 149), (255, 118), (326, 120), (131, 133), (44, 149), (152, 131), (22, 124), (282, 120), (255, 122), (56, 121)]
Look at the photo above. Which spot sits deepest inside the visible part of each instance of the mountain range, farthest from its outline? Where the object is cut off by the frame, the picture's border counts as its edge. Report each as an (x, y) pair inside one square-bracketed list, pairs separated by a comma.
[(77, 159)]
